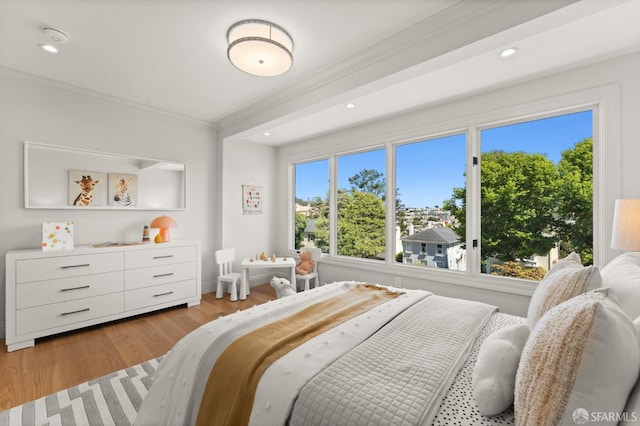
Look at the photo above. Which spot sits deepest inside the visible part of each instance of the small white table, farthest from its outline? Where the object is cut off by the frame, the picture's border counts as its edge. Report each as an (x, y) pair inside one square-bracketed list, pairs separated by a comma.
[(280, 262)]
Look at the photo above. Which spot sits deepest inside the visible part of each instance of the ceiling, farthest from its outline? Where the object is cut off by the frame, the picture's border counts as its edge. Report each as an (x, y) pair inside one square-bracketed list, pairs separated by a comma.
[(384, 56)]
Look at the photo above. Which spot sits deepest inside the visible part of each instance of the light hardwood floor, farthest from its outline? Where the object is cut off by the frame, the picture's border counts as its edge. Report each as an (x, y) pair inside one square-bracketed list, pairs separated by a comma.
[(65, 360)]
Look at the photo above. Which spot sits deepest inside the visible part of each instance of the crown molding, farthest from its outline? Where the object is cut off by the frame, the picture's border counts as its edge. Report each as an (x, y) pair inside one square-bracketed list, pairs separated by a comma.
[(21, 77), (390, 59)]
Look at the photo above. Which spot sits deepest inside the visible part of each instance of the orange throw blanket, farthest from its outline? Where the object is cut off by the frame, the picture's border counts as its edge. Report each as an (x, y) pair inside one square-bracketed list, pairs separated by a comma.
[(230, 389)]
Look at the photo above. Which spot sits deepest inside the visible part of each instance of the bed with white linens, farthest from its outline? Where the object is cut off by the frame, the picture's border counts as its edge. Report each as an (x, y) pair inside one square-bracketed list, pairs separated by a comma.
[(350, 353)]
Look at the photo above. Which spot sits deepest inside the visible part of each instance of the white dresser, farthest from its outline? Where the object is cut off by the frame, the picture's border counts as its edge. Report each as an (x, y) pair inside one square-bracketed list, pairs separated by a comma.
[(53, 292)]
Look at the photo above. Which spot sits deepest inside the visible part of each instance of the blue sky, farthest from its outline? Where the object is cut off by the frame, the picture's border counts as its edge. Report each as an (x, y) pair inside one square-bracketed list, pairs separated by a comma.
[(427, 171)]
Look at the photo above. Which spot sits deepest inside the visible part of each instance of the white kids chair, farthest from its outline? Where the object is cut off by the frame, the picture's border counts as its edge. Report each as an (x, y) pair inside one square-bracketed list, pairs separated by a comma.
[(224, 259), (316, 254)]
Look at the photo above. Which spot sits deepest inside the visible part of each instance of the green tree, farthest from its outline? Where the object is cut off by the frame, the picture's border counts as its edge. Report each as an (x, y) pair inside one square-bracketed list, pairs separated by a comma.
[(518, 193), (319, 207), (457, 206), (301, 223), (575, 200), (361, 224), (370, 181), (322, 233), (518, 197)]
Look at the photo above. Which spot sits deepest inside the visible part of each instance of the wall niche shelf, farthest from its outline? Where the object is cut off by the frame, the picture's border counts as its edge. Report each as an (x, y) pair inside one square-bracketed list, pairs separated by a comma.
[(51, 173)]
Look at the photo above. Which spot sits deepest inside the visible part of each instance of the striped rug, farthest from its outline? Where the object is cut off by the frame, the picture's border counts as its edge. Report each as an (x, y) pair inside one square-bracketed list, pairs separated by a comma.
[(113, 399)]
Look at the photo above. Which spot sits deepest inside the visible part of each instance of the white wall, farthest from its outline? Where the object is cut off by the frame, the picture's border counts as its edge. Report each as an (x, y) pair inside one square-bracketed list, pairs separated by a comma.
[(621, 173), (253, 164), (42, 111)]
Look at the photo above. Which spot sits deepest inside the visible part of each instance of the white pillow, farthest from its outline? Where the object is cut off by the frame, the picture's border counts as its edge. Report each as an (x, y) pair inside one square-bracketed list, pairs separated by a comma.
[(566, 279), (494, 375), (632, 409), (583, 357), (622, 274)]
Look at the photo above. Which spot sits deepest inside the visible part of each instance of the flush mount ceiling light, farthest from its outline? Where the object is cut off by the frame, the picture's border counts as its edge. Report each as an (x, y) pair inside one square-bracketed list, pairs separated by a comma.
[(260, 48), (55, 38)]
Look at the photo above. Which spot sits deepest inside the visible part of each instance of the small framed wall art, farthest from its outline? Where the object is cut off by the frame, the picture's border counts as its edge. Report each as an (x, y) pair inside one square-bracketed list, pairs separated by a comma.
[(252, 199), (86, 188), (123, 189), (57, 236)]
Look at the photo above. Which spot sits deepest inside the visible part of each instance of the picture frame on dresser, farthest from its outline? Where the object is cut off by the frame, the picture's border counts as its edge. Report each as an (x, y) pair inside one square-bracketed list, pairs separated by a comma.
[(57, 291)]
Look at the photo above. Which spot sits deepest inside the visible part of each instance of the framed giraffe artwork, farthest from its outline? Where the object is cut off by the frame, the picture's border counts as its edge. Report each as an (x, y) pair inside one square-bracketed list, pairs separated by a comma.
[(87, 188), (123, 190)]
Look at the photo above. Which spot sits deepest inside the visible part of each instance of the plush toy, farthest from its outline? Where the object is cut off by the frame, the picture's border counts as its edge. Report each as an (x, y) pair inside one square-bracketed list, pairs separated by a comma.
[(305, 264), (282, 287)]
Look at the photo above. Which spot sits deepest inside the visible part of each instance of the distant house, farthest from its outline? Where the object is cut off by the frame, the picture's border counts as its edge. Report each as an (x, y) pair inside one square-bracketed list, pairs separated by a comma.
[(431, 247), (304, 209), (309, 233)]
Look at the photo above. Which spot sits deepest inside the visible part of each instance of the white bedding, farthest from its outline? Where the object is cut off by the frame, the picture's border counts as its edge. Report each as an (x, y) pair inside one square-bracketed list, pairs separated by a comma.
[(399, 375), (175, 395), (176, 392), (458, 408)]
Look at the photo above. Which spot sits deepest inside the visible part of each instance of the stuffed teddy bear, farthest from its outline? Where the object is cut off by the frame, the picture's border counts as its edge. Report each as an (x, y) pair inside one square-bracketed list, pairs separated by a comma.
[(305, 264), (282, 287)]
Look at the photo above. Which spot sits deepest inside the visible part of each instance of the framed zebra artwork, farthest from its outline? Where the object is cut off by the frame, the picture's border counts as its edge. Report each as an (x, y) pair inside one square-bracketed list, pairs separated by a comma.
[(86, 188), (123, 189)]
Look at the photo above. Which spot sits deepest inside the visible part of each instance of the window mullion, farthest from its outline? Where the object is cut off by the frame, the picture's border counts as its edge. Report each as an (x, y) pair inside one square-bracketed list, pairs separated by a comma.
[(333, 205), (390, 243), (473, 201)]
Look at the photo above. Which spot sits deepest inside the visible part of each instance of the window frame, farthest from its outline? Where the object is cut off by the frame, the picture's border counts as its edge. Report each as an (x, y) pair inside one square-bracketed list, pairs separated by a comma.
[(604, 101)]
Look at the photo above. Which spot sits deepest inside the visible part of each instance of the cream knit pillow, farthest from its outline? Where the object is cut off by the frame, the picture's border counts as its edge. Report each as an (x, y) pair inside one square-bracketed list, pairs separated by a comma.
[(566, 279), (582, 357)]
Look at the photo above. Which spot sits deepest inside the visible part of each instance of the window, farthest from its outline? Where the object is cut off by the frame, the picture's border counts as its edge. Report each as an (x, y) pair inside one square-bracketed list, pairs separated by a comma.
[(312, 205), (537, 194), (427, 174), (361, 205), (521, 191)]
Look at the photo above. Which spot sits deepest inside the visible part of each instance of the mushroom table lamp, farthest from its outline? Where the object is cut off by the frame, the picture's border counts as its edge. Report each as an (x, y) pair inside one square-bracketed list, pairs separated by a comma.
[(163, 223)]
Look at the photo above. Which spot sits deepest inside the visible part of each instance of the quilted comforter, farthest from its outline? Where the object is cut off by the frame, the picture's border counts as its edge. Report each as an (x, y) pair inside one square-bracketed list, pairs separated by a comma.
[(391, 364)]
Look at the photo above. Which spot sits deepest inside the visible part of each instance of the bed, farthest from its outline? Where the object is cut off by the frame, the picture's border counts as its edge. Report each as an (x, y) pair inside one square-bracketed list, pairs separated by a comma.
[(359, 354)]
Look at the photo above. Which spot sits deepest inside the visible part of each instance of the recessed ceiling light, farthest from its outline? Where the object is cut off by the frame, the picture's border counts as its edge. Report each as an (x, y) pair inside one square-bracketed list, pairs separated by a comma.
[(350, 105), (48, 48), (267, 134), (510, 51)]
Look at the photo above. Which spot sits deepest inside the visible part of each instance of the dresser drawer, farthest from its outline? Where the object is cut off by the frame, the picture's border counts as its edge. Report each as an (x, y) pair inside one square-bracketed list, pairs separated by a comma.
[(75, 311), (47, 268), (145, 277), (160, 256), (156, 295), (64, 289)]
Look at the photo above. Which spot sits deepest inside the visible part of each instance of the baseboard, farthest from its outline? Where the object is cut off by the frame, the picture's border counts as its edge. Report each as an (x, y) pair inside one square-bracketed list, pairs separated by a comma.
[(209, 287), (3, 327)]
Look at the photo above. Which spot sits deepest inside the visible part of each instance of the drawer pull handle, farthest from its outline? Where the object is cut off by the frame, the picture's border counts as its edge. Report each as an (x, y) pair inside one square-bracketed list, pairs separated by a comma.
[(163, 257), (163, 294), (163, 275), (75, 312), (75, 288), (75, 266)]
